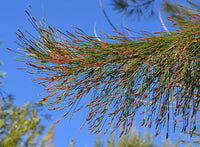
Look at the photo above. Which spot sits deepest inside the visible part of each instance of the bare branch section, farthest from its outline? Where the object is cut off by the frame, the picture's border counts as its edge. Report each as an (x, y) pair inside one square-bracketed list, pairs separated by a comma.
[(160, 73)]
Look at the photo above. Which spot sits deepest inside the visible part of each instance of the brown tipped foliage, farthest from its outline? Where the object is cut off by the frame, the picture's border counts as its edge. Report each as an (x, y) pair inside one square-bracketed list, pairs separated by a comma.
[(159, 74)]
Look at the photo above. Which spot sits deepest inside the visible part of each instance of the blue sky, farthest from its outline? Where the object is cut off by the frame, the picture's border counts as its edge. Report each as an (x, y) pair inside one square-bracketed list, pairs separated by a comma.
[(61, 14)]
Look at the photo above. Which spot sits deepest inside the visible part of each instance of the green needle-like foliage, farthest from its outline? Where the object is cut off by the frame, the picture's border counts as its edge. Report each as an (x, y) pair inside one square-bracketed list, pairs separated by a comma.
[(158, 74)]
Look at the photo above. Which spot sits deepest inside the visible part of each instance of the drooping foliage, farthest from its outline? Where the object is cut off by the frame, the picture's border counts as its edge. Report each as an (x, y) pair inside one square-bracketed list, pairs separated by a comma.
[(159, 74)]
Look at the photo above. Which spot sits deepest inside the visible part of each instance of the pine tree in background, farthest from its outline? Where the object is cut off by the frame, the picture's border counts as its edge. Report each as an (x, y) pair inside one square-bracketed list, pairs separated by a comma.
[(156, 76)]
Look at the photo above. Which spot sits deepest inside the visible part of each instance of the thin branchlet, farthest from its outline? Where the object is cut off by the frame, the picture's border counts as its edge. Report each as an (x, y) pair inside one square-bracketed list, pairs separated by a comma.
[(160, 73)]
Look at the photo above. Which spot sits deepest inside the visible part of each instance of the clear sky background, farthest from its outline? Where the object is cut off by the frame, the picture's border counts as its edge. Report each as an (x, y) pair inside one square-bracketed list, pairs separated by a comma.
[(61, 14)]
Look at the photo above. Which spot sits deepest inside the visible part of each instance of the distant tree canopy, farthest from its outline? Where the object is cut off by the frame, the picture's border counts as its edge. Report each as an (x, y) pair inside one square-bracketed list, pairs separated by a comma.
[(2, 74), (20, 125), (145, 7), (130, 7), (135, 140), (157, 76)]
